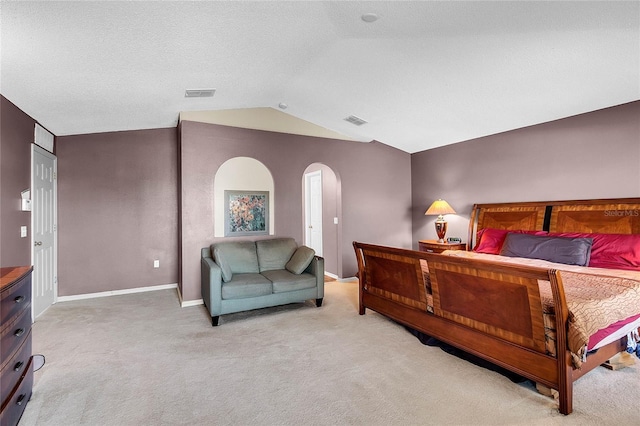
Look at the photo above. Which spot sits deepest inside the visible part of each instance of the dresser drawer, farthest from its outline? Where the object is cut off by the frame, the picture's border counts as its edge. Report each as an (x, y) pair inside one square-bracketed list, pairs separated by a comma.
[(13, 407), (15, 298), (14, 334), (14, 369)]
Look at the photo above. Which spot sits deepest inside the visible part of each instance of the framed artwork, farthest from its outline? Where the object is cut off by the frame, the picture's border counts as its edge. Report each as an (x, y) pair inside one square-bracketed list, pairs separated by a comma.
[(246, 213)]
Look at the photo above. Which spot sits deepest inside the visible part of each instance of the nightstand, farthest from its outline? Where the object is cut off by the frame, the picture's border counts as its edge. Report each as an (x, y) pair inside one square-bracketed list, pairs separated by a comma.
[(433, 246)]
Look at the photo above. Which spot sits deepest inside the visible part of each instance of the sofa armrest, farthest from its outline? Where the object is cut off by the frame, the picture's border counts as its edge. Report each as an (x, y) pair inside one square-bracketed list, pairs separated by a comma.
[(211, 285), (316, 268)]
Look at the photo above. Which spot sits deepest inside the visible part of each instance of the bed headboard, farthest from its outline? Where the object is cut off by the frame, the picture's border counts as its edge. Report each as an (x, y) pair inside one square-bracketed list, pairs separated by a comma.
[(605, 216)]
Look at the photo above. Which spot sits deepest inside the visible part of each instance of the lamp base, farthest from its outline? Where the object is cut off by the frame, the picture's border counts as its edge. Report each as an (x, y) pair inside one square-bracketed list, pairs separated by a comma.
[(441, 230)]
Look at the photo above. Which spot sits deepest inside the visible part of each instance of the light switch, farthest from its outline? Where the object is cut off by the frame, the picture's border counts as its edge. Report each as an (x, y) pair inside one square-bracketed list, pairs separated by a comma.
[(23, 231), (335, 220), (156, 263)]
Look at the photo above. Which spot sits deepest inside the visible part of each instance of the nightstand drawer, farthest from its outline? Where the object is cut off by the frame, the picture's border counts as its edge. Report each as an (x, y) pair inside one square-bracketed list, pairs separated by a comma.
[(433, 246)]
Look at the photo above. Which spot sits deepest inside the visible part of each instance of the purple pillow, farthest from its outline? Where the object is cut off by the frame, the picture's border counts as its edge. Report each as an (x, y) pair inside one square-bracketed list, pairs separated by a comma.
[(611, 251), (569, 251)]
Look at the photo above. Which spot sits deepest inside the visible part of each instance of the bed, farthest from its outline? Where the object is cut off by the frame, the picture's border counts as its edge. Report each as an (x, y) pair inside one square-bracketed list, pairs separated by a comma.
[(540, 319)]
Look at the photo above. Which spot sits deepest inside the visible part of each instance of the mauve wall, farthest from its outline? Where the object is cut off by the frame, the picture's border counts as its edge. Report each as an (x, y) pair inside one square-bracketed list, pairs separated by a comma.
[(16, 136), (117, 210), (375, 184), (594, 155)]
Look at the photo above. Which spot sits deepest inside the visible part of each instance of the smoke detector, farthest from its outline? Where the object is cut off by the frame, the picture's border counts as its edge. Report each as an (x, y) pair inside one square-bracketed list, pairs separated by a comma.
[(369, 17)]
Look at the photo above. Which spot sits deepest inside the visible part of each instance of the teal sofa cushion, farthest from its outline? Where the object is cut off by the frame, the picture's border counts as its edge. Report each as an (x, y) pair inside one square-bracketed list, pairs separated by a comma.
[(275, 253), (300, 260), (284, 281), (246, 285), (238, 257), (225, 268)]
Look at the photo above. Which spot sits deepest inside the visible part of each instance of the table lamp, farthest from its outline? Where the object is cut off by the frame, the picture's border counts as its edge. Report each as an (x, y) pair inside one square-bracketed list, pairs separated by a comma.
[(440, 207)]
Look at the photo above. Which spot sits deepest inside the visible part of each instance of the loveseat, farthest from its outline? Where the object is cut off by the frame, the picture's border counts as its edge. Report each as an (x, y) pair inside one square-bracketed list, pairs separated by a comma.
[(243, 275)]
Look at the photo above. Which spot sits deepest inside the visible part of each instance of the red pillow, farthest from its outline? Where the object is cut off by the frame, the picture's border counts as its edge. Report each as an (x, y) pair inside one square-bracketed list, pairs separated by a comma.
[(611, 251), (490, 240)]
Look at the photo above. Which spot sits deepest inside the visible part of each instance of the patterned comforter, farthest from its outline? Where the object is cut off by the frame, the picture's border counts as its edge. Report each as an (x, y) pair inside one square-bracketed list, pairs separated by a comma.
[(596, 298)]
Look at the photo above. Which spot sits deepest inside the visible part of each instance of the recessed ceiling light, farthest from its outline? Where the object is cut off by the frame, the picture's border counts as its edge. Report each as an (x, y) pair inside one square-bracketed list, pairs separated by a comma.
[(199, 93), (369, 17)]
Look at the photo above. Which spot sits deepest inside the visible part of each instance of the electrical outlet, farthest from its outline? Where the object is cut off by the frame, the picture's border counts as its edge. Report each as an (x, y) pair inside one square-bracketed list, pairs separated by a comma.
[(156, 263), (335, 220), (23, 231)]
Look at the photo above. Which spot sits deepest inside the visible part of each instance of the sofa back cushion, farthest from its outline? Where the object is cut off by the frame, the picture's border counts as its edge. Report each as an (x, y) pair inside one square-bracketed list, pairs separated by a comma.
[(275, 253), (238, 257), (300, 260)]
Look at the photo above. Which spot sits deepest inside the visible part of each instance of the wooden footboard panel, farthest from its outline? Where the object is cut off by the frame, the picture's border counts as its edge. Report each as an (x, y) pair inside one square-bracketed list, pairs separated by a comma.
[(502, 302), (491, 311), (485, 346)]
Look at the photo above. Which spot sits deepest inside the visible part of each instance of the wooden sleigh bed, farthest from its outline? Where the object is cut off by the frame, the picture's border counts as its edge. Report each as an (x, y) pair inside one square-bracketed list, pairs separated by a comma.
[(500, 311)]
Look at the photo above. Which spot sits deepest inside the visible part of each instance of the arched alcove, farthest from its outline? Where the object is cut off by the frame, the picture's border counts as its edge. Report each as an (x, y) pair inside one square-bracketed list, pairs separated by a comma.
[(331, 221), (241, 174)]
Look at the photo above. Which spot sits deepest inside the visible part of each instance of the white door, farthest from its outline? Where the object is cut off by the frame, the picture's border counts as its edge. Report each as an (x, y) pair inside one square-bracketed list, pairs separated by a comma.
[(313, 211), (43, 230)]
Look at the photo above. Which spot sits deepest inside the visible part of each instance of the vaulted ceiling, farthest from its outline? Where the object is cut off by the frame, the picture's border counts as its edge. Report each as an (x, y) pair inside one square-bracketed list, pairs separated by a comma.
[(424, 74)]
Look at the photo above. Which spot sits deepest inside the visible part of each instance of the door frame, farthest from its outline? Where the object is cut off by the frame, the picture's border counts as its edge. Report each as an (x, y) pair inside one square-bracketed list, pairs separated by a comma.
[(35, 148), (307, 207)]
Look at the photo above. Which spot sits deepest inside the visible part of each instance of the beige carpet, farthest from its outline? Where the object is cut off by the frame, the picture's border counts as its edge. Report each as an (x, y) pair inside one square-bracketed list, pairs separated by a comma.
[(142, 360)]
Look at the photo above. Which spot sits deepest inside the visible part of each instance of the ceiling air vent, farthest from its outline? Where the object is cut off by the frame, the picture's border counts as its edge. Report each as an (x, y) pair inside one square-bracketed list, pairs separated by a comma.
[(199, 93), (355, 120)]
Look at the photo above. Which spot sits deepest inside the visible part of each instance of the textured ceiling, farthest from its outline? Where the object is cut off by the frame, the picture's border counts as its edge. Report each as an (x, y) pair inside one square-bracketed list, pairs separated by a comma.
[(426, 74)]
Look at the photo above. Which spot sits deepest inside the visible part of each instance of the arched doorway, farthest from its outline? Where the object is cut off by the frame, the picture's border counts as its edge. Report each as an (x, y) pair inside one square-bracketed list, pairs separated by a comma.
[(322, 215)]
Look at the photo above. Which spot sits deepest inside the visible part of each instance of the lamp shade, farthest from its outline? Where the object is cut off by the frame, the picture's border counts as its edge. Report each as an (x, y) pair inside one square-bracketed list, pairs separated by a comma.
[(439, 207)]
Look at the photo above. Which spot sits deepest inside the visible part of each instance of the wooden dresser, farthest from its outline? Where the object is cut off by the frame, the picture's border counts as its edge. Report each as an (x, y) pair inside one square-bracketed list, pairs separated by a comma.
[(16, 370)]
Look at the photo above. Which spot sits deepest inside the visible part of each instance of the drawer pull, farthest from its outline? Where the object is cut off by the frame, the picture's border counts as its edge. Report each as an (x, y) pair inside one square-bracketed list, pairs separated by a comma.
[(21, 399), (18, 366), (19, 299), (19, 332)]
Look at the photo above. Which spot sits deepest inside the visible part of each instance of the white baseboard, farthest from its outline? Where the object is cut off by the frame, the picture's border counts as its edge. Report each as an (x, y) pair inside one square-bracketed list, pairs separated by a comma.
[(183, 303), (116, 292), (188, 303), (342, 280)]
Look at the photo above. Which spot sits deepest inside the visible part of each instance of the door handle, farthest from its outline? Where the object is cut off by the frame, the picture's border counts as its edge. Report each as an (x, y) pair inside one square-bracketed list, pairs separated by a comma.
[(37, 243)]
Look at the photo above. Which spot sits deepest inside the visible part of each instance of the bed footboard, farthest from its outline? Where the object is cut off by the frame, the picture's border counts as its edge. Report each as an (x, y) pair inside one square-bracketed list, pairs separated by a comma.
[(490, 310)]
